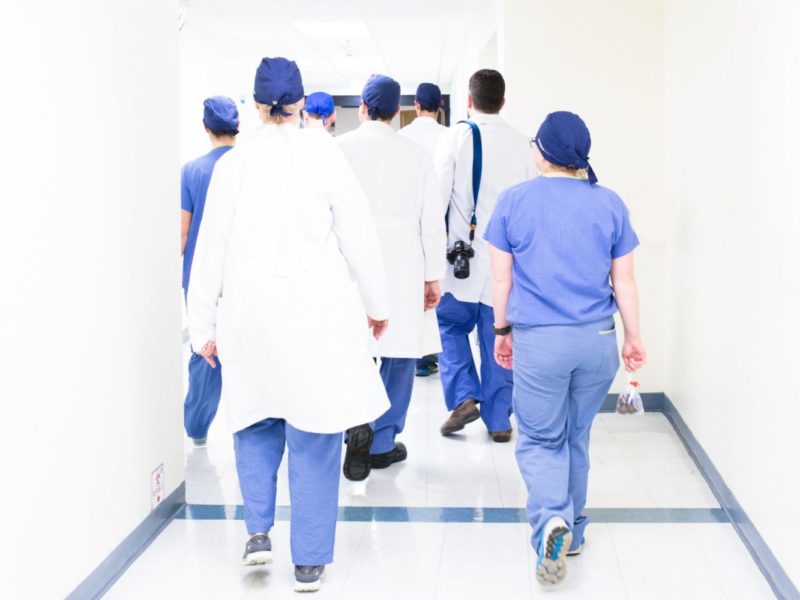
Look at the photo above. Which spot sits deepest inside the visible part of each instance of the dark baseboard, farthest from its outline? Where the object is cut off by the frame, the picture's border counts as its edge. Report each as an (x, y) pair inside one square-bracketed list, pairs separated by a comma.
[(769, 565), (123, 556)]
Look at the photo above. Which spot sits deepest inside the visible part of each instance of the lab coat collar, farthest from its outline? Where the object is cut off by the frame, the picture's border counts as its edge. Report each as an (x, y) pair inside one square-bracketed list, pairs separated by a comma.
[(378, 126), (483, 118)]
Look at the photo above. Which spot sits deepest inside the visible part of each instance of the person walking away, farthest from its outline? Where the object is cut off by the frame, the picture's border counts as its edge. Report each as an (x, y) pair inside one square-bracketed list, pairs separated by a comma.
[(426, 131), (286, 262), (400, 183), (221, 122), (494, 156), (562, 260), (320, 112)]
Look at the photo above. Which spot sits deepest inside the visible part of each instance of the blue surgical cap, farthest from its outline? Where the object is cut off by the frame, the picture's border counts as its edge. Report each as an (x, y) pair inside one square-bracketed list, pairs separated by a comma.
[(320, 103), (278, 84), (381, 95), (429, 96), (564, 140), (220, 114)]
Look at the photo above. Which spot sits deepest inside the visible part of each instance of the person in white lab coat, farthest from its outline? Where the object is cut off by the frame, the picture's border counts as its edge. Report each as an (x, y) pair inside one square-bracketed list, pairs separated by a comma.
[(426, 131), (399, 180), (505, 160), (283, 255)]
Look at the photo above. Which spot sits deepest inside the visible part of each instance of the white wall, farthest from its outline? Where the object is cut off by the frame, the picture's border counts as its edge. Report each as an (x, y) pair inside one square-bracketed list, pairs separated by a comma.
[(733, 141), (89, 262), (604, 61)]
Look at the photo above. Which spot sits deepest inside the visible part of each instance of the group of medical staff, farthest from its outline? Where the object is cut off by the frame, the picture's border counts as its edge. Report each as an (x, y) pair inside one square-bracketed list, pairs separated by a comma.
[(325, 290)]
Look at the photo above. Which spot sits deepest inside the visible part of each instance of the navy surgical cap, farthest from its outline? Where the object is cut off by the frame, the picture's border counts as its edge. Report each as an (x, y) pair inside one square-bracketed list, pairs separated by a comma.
[(220, 114), (564, 140), (429, 96), (381, 95), (278, 84), (320, 103)]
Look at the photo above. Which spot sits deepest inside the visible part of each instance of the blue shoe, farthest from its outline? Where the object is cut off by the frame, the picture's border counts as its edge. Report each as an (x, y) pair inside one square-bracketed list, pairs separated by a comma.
[(551, 564)]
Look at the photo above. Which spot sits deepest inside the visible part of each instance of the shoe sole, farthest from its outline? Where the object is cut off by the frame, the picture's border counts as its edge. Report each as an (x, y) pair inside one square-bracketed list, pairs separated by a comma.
[(385, 465), (471, 418), (357, 454), (552, 570), (305, 588), (253, 559)]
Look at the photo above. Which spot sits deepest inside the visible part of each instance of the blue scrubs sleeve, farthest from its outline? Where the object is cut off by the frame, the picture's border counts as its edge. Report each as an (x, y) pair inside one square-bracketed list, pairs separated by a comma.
[(187, 203), (496, 231), (627, 240)]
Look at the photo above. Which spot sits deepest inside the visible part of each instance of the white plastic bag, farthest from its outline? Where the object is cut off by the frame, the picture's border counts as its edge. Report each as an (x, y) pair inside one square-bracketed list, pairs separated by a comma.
[(629, 401)]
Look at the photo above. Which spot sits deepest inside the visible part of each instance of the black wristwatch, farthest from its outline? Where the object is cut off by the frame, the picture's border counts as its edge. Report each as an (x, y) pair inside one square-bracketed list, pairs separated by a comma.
[(502, 330)]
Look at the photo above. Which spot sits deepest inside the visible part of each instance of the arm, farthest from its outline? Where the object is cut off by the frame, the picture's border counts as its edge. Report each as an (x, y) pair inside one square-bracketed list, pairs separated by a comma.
[(433, 234), (502, 263), (626, 294), (186, 223), (357, 237), (209, 257)]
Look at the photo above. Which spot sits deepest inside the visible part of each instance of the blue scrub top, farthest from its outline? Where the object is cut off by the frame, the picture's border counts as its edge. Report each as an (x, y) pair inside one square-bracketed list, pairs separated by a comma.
[(195, 177), (563, 234)]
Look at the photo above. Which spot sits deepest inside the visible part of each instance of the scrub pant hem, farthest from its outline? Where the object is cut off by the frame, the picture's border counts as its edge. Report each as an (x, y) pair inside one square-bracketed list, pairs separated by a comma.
[(202, 398), (398, 378)]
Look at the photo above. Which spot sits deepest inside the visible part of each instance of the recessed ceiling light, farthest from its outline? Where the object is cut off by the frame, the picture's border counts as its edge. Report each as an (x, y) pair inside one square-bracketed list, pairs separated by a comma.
[(332, 30)]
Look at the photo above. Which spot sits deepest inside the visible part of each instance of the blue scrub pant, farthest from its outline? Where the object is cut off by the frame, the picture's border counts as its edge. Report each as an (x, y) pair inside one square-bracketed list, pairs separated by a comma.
[(202, 399), (457, 369), (314, 465), (561, 377), (398, 379)]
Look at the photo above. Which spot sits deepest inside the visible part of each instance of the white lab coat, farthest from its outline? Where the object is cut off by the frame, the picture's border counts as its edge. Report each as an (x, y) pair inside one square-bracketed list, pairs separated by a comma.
[(287, 243), (507, 161), (426, 132), (400, 182)]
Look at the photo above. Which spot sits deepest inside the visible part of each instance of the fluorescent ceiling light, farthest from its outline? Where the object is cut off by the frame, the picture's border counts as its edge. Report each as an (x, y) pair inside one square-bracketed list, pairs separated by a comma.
[(332, 30)]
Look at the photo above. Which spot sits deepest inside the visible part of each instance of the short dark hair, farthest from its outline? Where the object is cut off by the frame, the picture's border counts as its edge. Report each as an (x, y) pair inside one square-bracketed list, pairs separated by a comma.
[(488, 89), (378, 116), (220, 133)]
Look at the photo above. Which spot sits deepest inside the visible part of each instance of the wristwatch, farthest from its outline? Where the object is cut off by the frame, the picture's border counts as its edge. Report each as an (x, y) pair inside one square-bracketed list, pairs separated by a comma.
[(502, 330)]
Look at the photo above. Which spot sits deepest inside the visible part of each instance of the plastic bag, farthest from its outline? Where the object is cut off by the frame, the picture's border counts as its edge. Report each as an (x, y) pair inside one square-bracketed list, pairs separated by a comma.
[(629, 401)]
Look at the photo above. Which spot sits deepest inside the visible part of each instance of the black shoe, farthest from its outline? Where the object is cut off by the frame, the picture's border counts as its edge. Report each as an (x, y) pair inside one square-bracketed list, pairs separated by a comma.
[(356, 458), (386, 459), (501, 437), (466, 412), (258, 550), (308, 579)]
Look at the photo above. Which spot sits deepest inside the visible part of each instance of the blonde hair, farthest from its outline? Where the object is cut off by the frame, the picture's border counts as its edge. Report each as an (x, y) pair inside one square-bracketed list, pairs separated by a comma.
[(576, 173), (292, 109)]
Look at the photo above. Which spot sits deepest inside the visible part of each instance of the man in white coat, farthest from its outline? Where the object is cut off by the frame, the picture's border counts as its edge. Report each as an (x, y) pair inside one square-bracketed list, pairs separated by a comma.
[(506, 160), (426, 131), (399, 180), (286, 262)]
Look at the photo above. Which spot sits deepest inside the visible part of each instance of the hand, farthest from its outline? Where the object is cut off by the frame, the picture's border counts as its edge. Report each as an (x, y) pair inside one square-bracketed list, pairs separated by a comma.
[(433, 294), (633, 354), (378, 327), (209, 351), (503, 350)]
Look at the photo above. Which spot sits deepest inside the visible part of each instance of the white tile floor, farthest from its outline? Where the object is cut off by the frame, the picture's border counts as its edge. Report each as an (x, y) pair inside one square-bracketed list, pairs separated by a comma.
[(638, 462)]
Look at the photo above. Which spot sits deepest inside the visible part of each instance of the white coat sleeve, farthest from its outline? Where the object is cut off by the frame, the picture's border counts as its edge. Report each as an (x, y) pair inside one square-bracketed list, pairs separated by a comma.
[(205, 285), (356, 234), (434, 236), (445, 164)]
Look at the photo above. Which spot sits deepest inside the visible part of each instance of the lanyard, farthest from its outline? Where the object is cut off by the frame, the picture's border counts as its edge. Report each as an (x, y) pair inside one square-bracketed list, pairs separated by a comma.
[(477, 168)]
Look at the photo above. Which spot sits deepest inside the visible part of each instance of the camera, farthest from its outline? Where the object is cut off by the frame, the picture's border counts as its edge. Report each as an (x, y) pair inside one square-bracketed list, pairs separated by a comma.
[(459, 257)]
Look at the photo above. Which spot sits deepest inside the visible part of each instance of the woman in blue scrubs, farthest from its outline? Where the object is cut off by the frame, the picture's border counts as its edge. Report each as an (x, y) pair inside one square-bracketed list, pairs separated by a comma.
[(562, 261)]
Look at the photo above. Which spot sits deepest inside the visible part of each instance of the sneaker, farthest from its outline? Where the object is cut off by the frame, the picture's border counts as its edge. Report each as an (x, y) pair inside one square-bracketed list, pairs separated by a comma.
[(356, 458), (501, 437), (576, 551), (465, 413), (199, 442), (258, 550), (381, 461), (551, 564), (308, 579), (427, 368)]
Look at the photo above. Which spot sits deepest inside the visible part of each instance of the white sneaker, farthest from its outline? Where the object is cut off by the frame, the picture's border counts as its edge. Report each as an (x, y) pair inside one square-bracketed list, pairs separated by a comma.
[(308, 579), (551, 564)]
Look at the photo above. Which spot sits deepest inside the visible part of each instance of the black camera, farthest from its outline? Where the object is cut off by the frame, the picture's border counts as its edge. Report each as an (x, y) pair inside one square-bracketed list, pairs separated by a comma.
[(459, 256)]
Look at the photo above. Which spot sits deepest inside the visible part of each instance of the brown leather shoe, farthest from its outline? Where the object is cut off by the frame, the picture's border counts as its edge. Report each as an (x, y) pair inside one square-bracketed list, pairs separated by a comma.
[(501, 437), (466, 412)]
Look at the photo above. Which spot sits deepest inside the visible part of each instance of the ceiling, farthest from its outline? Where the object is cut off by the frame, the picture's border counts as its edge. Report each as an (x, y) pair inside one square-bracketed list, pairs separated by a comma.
[(339, 43)]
